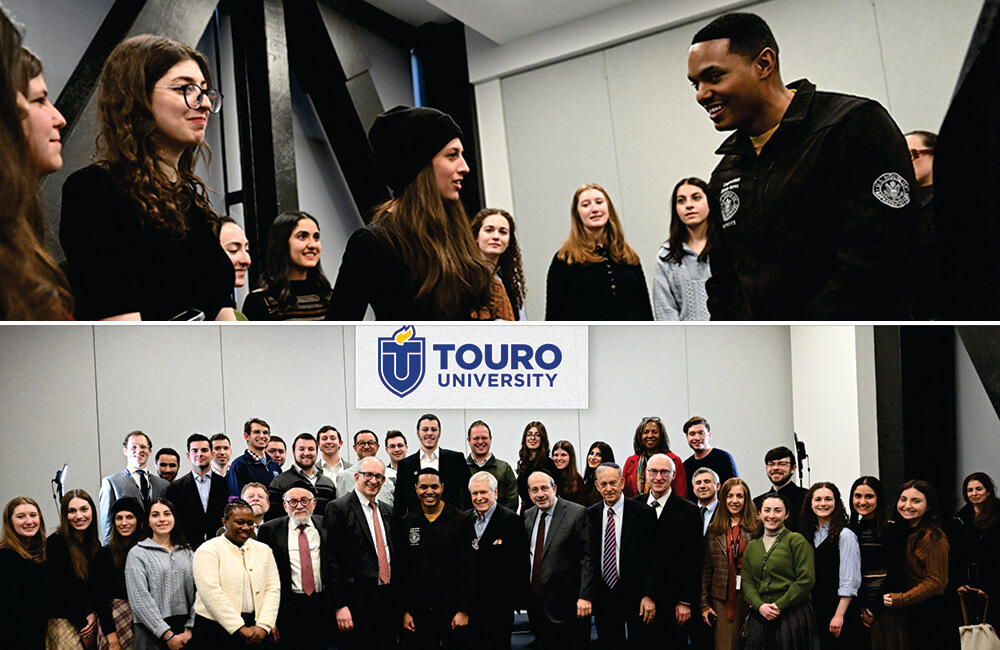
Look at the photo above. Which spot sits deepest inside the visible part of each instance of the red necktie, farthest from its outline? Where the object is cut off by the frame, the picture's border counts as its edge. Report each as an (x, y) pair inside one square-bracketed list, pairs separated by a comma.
[(383, 559), (306, 563), (536, 560)]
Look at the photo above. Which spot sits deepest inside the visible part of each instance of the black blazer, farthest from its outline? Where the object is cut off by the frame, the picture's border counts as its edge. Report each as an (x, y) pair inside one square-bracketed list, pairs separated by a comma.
[(637, 570), (275, 534), (454, 474), (352, 571), (680, 549), (502, 563), (198, 525)]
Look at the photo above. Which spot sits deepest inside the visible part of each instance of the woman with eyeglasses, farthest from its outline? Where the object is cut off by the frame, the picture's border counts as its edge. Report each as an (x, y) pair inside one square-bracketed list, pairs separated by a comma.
[(159, 575), (651, 438), (137, 227), (534, 456)]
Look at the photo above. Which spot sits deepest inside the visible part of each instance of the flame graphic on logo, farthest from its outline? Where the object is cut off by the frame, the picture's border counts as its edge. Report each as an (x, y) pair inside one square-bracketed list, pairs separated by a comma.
[(403, 334)]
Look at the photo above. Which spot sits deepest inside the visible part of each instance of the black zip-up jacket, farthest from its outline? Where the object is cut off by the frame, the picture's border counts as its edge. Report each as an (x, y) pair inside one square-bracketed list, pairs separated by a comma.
[(823, 225)]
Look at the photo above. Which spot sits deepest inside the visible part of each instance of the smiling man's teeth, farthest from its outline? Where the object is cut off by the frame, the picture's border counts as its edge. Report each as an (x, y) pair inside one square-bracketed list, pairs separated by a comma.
[(714, 108)]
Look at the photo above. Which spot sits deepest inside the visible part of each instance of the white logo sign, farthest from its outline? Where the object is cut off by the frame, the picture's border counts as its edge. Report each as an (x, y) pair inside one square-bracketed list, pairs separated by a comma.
[(474, 366), (892, 189)]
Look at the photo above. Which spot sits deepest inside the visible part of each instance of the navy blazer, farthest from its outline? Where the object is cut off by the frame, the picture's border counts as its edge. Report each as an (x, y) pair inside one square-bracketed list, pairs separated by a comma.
[(637, 553), (502, 563), (199, 525)]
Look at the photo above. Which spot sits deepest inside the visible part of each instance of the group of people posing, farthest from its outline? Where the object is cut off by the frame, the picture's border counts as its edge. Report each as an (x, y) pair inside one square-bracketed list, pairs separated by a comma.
[(439, 549), (142, 240)]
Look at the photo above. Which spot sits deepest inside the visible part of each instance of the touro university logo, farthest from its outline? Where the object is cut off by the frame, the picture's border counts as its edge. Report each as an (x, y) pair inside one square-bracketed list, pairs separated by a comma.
[(401, 360), (466, 366)]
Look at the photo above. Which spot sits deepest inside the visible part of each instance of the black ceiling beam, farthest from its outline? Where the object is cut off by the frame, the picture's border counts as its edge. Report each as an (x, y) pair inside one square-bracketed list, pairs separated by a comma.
[(374, 19), (331, 66), (440, 51), (184, 20), (264, 108), (916, 405)]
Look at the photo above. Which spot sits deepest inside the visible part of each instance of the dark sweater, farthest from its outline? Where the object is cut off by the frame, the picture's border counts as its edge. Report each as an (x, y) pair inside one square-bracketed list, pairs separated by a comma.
[(70, 597), (604, 291), (435, 562), (118, 266), (22, 601), (718, 460)]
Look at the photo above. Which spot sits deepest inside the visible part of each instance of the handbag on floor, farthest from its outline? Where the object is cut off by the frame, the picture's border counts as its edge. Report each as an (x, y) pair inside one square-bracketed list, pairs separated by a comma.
[(977, 637)]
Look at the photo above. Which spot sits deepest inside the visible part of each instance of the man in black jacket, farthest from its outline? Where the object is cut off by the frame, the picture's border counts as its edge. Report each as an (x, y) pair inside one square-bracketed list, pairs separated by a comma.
[(200, 496), (300, 545), (361, 574), (813, 203), (502, 565), (678, 557), (435, 568), (449, 464)]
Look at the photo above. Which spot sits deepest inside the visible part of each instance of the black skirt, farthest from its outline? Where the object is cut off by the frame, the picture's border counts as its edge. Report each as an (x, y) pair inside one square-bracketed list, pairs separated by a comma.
[(794, 629)]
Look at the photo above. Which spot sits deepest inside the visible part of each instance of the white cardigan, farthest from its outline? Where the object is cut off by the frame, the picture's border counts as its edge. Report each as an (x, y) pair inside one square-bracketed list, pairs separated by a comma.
[(218, 576)]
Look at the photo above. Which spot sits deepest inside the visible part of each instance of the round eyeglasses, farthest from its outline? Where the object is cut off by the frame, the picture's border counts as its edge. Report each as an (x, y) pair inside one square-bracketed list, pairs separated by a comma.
[(193, 94)]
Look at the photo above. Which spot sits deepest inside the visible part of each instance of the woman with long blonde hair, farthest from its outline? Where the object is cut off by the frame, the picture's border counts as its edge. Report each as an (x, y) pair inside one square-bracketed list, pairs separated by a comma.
[(416, 260), (137, 227), (596, 275), (22, 567)]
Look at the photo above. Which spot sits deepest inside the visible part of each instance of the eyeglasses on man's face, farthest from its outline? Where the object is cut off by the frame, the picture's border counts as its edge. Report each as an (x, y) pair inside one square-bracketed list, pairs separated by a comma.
[(372, 475), (304, 502)]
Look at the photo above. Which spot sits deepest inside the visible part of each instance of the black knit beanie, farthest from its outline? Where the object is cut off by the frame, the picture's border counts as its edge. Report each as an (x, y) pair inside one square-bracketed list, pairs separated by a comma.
[(405, 139)]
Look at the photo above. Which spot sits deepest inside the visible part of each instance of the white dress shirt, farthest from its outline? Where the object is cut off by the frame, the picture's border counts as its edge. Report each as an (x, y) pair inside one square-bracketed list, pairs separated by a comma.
[(312, 535), (430, 460), (370, 515), (619, 509)]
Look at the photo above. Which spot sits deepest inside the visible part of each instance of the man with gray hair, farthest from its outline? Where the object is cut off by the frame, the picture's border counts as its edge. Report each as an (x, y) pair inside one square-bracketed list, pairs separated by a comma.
[(562, 575), (501, 552), (705, 486), (300, 546), (621, 546), (678, 543)]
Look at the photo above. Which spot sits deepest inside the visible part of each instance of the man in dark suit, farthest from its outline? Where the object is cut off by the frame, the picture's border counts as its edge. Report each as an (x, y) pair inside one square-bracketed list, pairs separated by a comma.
[(360, 570), (301, 556), (678, 557), (502, 565), (622, 535), (562, 576), (781, 467), (136, 481), (200, 496), (450, 464)]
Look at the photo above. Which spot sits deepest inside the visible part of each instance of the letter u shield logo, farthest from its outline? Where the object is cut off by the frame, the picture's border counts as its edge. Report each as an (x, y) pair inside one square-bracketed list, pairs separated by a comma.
[(401, 361)]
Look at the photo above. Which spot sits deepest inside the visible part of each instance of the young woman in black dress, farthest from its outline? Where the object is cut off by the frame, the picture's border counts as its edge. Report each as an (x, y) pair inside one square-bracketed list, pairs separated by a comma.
[(22, 568)]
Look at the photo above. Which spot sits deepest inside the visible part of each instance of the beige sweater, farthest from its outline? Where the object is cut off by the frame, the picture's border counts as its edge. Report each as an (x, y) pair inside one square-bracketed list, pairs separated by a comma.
[(218, 577)]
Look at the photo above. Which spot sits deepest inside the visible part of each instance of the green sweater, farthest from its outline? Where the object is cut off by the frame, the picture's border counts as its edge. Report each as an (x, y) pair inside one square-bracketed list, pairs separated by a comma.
[(789, 576)]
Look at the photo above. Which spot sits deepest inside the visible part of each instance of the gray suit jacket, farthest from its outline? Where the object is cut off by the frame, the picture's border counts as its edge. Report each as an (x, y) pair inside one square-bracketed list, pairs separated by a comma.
[(120, 485), (567, 573)]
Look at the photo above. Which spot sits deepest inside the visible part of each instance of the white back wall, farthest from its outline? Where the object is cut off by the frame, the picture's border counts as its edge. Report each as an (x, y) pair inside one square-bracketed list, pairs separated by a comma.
[(584, 103), (71, 393)]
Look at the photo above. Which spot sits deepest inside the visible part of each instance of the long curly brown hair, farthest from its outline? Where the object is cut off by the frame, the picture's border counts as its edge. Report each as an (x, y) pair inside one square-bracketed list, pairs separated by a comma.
[(431, 234), (126, 143), (578, 247), (32, 287), (509, 264)]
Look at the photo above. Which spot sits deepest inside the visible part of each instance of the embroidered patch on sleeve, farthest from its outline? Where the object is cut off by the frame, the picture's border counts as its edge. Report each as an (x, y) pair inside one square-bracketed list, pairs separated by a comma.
[(892, 189)]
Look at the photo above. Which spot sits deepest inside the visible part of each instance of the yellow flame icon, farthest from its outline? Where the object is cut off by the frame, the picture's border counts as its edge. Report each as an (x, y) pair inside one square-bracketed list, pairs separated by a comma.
[(403, 335)]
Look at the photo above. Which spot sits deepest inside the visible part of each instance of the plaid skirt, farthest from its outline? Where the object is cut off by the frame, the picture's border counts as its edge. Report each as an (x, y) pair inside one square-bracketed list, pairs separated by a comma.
[(62, 635), (794, 629), (122, 615)]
